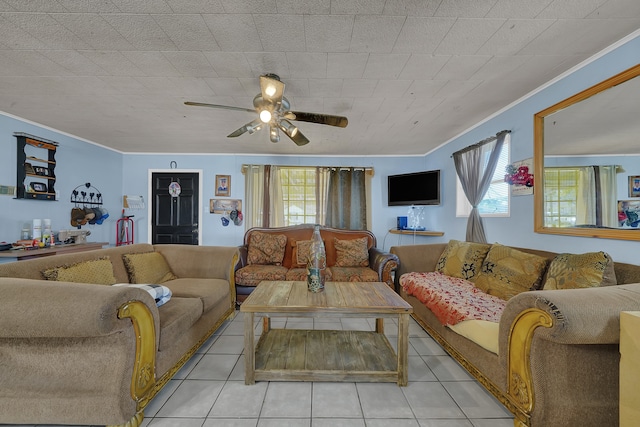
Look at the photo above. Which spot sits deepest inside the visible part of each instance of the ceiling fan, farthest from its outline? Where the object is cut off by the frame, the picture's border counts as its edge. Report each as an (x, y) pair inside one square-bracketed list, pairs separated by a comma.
[(273, 110)]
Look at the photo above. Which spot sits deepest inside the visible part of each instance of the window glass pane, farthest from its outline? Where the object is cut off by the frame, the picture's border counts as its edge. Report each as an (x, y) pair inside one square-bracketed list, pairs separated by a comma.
[(299, 195)]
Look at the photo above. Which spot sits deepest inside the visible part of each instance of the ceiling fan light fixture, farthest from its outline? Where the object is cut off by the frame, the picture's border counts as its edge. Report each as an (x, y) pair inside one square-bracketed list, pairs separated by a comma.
[(254, 126), (265, 116), (274, 135), (288, 128)]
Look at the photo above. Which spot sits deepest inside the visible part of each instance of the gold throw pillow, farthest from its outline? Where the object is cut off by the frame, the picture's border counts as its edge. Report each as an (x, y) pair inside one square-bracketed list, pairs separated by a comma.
[(148, 268), (462, 259), (588, 270), (97, 271)]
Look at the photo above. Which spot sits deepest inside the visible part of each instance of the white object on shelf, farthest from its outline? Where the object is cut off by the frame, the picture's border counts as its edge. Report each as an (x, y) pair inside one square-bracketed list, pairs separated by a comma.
[(133, 202)]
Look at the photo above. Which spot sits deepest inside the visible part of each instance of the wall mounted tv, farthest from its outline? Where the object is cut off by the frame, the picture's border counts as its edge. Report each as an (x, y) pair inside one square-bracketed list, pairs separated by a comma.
[(418, 188)]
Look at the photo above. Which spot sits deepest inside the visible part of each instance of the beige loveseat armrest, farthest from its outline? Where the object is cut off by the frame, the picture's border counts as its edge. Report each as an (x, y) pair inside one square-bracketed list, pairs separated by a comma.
[(577, 329), (32, 308)]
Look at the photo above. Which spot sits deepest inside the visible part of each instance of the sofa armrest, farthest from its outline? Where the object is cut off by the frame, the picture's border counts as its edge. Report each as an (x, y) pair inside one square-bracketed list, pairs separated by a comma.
[(383, 263), (575, 318), (417, 258), (31, 308)]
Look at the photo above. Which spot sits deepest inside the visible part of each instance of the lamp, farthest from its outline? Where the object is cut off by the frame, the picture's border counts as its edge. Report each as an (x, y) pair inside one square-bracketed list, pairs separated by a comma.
[(288, 128), (274, 135), (265, 116)]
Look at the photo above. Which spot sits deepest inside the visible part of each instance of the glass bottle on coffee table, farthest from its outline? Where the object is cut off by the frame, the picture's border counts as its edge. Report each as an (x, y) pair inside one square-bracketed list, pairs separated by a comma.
[(317, 264)]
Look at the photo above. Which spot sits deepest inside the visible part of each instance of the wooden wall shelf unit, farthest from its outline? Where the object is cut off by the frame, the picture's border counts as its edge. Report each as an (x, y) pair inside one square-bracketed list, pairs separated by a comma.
[(417, 232), (35, 169)]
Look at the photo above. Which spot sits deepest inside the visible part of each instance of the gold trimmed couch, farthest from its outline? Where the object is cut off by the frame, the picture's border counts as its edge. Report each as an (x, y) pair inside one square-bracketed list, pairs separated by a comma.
[(277, 254), (558, 350), (80, 353)]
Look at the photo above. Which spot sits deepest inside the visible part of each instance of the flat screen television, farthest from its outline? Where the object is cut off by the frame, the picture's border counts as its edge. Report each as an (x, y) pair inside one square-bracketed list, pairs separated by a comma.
[(418, 188)]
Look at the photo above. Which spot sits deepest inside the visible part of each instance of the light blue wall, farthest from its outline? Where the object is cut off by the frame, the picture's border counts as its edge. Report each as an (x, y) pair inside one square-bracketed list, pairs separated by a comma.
[(136, 180), (77, 162), (517, 230)]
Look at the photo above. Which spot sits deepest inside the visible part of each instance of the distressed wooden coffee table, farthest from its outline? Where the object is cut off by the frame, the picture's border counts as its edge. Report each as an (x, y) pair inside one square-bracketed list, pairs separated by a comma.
[(325, 355)]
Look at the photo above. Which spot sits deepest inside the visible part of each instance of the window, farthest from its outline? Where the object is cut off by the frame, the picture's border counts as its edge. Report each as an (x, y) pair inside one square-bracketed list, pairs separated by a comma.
[(298, 195), (496, 200), (560, 197)]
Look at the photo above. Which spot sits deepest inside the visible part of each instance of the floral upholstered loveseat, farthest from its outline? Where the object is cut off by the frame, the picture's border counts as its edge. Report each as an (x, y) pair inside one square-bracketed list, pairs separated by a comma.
[(281, 254)]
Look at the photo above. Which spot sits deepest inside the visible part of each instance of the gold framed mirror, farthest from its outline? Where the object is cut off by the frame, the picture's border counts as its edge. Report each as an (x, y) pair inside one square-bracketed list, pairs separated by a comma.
[(601, 122)]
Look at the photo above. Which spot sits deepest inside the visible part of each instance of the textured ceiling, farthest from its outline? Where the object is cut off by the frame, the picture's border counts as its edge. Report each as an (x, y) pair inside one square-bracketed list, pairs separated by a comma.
[(408, 74)]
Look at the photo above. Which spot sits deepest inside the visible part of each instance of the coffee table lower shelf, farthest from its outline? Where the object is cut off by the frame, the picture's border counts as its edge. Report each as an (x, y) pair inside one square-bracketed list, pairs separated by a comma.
[(325, 355)]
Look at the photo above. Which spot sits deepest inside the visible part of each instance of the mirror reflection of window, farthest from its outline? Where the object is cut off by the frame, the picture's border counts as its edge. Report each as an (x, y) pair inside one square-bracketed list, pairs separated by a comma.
[(580, 196)]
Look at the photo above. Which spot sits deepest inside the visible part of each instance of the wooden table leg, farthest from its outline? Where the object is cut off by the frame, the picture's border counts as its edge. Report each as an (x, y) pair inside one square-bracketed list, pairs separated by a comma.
[(403, 349), (380, 326), (249, 350)]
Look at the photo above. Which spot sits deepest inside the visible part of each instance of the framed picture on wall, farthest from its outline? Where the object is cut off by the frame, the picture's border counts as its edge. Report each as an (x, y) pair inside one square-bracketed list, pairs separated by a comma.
[(222, 206), (634, 186), (223, 185)]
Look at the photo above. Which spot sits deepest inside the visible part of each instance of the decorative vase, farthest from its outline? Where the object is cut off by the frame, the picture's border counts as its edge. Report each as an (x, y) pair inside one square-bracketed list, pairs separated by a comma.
[(317, 262)]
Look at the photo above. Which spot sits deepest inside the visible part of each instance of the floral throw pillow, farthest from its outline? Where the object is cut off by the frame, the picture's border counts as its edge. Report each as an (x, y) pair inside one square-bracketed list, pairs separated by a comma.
[(588, 270), (462, 259), (266, 248), (352, 253)]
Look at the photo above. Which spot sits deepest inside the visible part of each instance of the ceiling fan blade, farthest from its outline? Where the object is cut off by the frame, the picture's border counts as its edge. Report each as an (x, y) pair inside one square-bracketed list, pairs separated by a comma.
[(250, 127), (272, 88), (323, 119), (224, 107), (299, 139)]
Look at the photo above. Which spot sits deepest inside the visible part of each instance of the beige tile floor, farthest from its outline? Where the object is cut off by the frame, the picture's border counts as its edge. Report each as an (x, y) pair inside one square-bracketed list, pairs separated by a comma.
[(209, 391)]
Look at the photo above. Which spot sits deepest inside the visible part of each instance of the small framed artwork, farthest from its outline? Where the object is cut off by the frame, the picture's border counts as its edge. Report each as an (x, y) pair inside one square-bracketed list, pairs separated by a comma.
[(629, 213), (223, 185), (222, 206), (634, 186)]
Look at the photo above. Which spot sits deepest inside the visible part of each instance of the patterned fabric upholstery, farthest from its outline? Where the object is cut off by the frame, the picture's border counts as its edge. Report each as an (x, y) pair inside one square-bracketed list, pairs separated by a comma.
[(147, 267), (462, 259), (266, 249), (353, 274), (301, 253), (507, 272), (589, 270), (301, 274), (99, 272), (352, 253), (253, 274)]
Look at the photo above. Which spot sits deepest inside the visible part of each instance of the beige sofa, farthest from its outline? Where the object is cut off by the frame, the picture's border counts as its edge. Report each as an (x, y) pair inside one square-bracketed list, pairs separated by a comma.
[(79, 353), (558, 350), (373, 265)]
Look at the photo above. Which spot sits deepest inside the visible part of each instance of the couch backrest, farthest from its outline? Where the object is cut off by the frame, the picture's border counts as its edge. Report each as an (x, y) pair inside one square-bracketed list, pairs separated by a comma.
[(33, 268), (304, 232)]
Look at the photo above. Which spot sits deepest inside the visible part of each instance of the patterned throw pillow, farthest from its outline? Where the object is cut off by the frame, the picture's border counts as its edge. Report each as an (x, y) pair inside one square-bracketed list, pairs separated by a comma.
[(266, 248), (98, 271), (147, 267), (589, 270), (507, 272), (352, 253), (462, 259), (301, 253)]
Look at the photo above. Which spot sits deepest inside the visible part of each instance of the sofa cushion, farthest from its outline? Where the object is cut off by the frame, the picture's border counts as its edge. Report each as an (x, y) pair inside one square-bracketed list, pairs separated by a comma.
[(252, 275), (462, 259), (266, 248), (209, 291), (300, 256), (352, 252), (98, 271), (161, 294), (507, 272), (481, 332), (588, 270), (176, 317), (147, 267), (301, 274), (353, 274)]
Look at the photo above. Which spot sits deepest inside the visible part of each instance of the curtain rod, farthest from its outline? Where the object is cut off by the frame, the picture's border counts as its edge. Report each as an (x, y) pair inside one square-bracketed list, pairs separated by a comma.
[(481, 143), (368, 170)]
